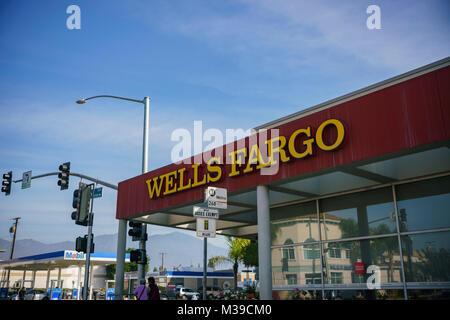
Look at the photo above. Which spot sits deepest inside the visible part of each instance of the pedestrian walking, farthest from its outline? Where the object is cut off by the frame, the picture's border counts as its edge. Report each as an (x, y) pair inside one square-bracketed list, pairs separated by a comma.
[(153, 290), (141, 292)]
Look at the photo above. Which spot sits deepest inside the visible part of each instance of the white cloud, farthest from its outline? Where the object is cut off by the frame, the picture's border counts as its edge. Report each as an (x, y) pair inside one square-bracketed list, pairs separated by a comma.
[(293, 33), (73, 125)]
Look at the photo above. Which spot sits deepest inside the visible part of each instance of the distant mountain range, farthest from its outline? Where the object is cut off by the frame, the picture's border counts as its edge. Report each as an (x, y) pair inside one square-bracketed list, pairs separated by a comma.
[(178, 248)]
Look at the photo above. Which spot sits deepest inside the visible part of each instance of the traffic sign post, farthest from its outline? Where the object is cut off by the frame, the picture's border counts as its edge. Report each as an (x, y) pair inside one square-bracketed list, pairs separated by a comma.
[(207, 215)]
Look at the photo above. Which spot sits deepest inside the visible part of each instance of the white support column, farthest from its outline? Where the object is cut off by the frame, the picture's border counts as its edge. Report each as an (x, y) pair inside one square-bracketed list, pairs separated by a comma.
[(120, 259), (33, 278), (264, 243), (91, 269), (24, 277), (79, 283), (48, 279)]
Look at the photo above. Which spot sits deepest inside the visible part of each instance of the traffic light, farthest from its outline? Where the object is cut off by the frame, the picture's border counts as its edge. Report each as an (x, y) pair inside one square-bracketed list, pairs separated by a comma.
[(80, 202), (6, 183), (64, 175), (138, 256), (81, 244), (136, 231)]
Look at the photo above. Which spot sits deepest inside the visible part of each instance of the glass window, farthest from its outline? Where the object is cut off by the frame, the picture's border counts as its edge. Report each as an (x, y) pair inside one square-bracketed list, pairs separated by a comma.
[(313, 278), (336, 277), (334, 251), (424, 204), (427, 257), (382, 254), (348, 253), (311, 251), (306, 271), (291, 278), (288, 253), (295, 223), (358, 214)]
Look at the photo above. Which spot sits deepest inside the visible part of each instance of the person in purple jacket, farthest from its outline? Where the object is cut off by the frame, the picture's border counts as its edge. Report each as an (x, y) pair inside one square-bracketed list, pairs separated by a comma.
[(141, 292)]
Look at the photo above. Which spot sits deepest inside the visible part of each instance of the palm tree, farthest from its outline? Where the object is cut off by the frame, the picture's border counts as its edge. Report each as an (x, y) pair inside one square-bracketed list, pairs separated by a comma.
[(236, 251)]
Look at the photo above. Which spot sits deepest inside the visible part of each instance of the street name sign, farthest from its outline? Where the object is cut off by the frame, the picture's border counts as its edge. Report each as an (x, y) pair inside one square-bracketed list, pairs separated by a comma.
[(97, 192), (201, 212)]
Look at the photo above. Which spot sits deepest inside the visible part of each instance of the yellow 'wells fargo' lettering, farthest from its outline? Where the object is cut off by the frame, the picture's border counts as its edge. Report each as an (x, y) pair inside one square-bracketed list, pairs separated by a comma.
[(299, 145)]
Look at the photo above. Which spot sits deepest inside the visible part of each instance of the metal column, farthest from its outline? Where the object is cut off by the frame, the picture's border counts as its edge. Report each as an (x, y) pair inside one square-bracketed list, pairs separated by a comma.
[(145, 139), (78, 284), (205, 266), (264, 243), (88, 246), (120, 261), (48, 279), (33, 278), (91, 271), (399, 239)]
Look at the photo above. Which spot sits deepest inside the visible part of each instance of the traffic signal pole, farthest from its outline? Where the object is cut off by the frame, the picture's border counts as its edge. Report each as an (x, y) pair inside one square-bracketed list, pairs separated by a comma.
[(79, 175), (88, 247)]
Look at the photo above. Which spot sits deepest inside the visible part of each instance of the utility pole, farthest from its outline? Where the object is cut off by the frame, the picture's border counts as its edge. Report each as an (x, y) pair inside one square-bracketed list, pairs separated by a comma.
[(11, 254), (14, 237), (162, 260)]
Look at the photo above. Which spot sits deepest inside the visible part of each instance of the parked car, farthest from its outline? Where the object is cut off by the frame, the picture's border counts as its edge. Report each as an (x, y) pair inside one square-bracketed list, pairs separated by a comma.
[(36, 294), (211, 292), (163, 296), (187, 294)]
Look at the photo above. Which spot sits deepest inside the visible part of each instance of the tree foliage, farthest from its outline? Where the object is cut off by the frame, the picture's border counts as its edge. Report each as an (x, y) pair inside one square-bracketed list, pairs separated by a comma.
[(129, 267), (236, 253)]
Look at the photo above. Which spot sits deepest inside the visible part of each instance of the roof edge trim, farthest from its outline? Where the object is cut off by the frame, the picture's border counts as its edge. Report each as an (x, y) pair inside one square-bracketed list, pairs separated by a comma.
[(358, 93)]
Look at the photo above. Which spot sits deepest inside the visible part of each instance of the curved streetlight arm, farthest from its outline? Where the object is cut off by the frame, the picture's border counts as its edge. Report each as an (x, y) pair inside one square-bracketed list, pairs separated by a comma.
[(108, 96), (145, 102)]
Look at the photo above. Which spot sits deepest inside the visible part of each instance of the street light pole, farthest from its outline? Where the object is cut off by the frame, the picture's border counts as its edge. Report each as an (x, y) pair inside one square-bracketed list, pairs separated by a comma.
[(142, 242), (122, 229)]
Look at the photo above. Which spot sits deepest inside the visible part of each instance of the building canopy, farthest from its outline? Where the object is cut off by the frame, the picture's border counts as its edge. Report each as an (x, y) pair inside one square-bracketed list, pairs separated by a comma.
[(395, 130)]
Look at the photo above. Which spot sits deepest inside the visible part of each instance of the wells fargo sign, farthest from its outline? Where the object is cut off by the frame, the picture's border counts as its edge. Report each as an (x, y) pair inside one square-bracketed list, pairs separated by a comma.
[(267, 154)]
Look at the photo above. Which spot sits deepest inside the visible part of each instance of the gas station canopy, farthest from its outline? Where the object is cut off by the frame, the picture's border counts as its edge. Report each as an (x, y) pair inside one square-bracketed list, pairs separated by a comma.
[(59, 259)]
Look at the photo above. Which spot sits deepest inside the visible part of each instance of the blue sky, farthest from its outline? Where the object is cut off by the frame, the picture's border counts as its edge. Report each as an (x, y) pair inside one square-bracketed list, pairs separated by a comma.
[(231, 64)]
